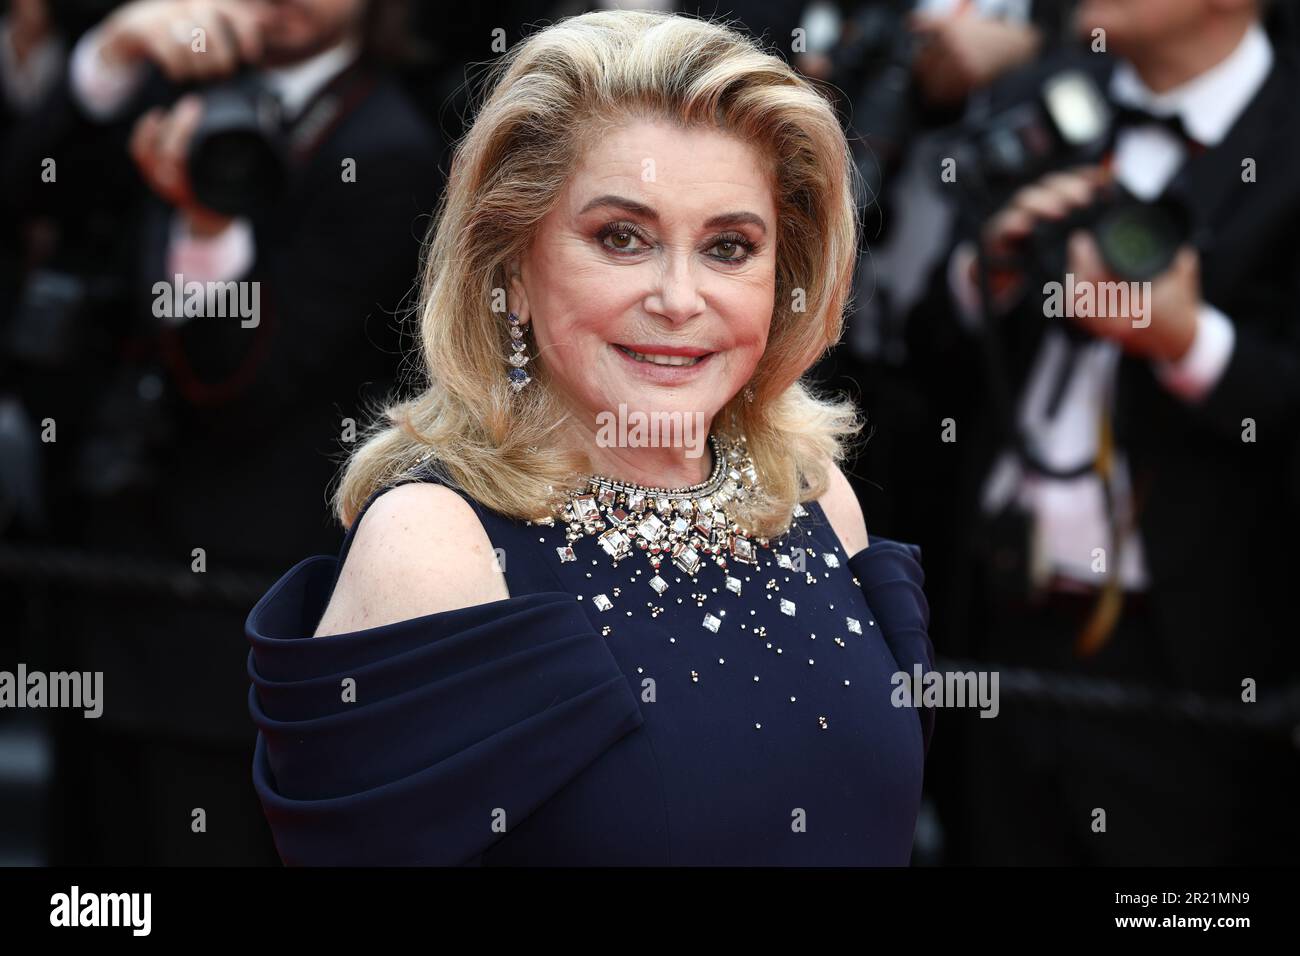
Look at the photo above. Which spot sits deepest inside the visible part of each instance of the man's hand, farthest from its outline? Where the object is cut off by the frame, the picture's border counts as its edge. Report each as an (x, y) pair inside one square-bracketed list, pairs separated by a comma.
[(1165, 322), (160, 145), (163, 32), (1051, 198), (1160, 326), (962, 53)]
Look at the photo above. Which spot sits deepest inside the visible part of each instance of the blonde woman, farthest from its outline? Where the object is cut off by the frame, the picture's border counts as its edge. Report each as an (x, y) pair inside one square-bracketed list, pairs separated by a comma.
[(605, 596)]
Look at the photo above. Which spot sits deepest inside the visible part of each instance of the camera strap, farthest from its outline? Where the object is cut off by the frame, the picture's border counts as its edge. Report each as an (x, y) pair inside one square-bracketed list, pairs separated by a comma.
[(1103, 618), (1105, 613), (326, 110)]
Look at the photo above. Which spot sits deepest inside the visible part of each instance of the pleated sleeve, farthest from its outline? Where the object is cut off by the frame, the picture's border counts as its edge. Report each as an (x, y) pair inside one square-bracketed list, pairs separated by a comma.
[(404, 744), (892, 579)]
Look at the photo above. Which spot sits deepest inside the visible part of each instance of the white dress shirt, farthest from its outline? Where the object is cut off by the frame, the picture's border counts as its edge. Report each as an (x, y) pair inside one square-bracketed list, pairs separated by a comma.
[(1071, 514), (103, 89)]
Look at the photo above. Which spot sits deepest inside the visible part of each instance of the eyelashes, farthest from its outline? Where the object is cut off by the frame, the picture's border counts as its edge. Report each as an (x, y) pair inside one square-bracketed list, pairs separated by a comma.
[(625, 231)]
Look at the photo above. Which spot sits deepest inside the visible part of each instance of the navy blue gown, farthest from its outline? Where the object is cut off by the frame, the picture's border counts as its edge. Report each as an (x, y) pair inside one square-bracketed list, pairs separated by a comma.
[(699, 726)]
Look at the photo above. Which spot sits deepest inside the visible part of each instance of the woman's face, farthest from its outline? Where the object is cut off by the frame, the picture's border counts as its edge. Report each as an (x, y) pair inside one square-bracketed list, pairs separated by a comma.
[(662, 244)]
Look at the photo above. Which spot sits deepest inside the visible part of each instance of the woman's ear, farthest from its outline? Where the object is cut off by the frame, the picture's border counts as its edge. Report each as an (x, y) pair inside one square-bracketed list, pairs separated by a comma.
[(516, 294)]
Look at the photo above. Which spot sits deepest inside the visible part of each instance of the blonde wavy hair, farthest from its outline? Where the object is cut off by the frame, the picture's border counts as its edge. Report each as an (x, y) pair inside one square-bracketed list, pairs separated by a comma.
[(544, 102)]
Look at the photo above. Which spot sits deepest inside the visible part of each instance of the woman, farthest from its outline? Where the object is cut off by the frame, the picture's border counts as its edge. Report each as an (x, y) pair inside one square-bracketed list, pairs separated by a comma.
[(555, 635)]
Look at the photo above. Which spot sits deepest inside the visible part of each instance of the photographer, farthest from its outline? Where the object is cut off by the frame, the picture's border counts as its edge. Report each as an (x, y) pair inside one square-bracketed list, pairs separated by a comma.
[(281, 161), (909, 68), (1139, 528)]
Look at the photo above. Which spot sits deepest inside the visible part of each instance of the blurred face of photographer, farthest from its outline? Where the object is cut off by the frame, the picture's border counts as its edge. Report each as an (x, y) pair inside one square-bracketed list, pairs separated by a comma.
[(297, 29), (1168, 41)]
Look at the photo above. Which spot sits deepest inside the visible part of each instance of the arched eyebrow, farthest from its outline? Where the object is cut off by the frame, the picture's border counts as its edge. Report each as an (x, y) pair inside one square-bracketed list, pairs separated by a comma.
[(635, 208)]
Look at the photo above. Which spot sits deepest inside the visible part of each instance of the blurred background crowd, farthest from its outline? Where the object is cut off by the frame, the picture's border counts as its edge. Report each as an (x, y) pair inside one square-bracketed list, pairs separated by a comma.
[(1106, 513)]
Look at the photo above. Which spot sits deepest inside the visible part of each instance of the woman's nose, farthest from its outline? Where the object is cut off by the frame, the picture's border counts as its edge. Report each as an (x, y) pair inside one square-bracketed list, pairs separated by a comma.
[(676, 295)]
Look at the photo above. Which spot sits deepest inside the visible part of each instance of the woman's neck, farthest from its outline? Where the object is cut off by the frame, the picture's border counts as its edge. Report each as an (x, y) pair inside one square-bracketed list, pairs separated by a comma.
[(677, 465)]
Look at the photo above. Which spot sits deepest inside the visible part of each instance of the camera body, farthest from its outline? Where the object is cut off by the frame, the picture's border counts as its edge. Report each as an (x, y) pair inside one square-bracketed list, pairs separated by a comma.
[(237, 158), (1070, 123), (1137, 240)]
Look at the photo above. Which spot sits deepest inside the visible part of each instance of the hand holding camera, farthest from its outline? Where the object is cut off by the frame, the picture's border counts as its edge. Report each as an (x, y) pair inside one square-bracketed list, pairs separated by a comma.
[(1106, 237), (188, 40), (160, 143), (215, 152)]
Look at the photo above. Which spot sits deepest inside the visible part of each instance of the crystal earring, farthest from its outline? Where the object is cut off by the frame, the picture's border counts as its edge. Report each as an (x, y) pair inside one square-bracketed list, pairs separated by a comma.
[(517, 375)]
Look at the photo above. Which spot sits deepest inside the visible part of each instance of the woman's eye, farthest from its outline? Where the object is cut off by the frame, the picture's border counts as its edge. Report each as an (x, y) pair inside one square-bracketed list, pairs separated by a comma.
[(732, 249), (620, 238)]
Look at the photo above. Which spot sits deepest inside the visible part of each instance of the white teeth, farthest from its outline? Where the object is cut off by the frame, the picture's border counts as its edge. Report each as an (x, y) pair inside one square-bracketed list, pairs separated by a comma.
[(662, 359)]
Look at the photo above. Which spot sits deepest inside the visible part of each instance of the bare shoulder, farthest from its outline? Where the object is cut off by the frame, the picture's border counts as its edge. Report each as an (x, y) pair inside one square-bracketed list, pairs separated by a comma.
[(419, 549), (844, 512)]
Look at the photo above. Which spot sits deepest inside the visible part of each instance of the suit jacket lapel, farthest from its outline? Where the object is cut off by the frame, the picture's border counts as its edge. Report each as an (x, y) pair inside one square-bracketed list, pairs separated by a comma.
[(1207, 181)]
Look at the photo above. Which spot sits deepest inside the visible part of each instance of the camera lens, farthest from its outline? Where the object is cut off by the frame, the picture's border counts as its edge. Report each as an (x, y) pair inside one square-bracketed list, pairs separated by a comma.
[(1138, 240), (236, 162), (235, 172)]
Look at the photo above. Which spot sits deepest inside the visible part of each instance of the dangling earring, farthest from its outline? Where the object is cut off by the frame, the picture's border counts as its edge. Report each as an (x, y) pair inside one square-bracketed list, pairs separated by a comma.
[(517, 375)]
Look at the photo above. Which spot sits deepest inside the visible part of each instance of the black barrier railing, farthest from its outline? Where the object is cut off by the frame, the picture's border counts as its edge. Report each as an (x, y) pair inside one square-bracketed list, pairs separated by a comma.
[(126, 573), (1277, 713)]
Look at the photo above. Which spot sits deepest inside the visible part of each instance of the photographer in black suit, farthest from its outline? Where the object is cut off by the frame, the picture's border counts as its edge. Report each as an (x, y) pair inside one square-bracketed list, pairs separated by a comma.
[(332, 253), (238, 404), (1154, 548)]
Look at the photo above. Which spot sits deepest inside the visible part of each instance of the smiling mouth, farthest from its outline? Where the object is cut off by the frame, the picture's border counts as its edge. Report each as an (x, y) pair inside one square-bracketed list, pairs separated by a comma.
[(660, 359)]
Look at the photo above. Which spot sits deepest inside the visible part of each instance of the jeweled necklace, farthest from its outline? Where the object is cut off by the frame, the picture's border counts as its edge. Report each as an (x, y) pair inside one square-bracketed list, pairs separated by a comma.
[(684, 525)]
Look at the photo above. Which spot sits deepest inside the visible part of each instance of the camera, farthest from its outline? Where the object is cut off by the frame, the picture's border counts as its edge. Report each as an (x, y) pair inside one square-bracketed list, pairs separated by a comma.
[(1137, 240), (237, 156), (1070, 123)]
